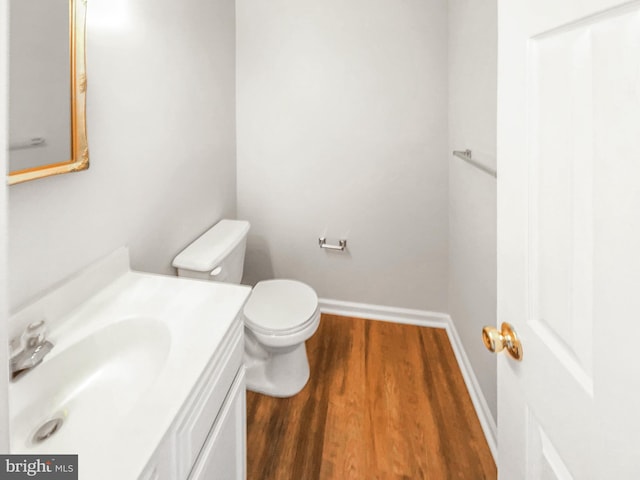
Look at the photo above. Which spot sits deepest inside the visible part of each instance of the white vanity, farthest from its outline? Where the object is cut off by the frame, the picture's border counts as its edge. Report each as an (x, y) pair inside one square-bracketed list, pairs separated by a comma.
[(145, 379)]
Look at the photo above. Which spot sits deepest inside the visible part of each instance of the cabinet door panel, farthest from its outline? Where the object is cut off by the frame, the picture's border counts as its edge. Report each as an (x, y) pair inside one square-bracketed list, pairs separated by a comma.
[(223, 456), (201, 411)]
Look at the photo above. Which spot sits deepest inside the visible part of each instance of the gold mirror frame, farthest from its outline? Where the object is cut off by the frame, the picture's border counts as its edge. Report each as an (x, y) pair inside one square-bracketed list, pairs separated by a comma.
[(79, 149)]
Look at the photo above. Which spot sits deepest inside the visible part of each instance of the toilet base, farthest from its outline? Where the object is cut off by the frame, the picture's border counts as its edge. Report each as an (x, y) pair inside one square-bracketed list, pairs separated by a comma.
[(277, 372)]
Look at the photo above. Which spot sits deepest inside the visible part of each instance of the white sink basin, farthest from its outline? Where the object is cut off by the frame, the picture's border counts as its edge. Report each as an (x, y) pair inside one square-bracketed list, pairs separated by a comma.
[(125, 358), (114, 366)]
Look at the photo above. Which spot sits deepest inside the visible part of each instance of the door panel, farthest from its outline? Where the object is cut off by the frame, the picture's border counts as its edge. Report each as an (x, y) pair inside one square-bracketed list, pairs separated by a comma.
[(569, 237), (561, 185), (545, 461)]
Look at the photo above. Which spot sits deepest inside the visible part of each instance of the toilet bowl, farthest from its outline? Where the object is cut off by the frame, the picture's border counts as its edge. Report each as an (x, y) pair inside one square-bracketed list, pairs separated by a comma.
[(279, 316)]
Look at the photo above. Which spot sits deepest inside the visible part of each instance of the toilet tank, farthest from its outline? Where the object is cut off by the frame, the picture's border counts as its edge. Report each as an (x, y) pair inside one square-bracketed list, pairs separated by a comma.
[(218, 254)]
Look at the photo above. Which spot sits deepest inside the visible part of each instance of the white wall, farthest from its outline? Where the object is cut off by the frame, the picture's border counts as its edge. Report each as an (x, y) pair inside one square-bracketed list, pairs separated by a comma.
[(4, 304), (342, 131), (472, 193), (161, 127)]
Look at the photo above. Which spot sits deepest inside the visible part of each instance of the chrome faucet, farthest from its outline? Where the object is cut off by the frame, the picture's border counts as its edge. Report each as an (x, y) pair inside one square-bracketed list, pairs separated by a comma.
[(34, 347)]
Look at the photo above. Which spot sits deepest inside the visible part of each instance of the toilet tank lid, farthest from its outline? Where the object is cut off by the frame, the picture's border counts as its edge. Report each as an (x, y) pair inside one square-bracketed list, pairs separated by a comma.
[(208, 250)]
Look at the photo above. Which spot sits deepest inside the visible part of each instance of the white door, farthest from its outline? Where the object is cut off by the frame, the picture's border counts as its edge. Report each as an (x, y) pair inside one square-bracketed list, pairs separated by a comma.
[(569, 238)]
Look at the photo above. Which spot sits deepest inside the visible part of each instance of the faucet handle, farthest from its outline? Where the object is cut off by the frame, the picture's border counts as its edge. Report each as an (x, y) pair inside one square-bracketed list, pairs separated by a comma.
[(34, 334)]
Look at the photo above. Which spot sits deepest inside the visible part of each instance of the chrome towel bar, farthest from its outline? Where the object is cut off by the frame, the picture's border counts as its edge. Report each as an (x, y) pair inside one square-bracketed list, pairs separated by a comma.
[(466, 156), (342, 244)]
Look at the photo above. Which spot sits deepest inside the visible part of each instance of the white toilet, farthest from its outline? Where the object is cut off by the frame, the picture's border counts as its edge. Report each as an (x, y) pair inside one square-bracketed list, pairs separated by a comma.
[(280, 315)]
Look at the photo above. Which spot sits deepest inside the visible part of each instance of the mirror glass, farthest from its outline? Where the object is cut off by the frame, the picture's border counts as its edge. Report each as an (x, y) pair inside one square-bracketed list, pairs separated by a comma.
[(47, 133)]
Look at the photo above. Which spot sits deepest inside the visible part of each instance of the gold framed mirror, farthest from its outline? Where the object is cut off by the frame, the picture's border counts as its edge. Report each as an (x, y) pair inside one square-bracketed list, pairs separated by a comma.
[(47, 129)]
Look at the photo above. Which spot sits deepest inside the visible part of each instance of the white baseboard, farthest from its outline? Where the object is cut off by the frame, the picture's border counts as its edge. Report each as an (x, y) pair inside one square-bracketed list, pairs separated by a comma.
[(421, 318), (425, 318), (478, 399)]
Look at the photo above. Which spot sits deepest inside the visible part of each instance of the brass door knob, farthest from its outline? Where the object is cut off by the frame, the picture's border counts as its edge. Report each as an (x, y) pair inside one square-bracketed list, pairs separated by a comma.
[(497, 340)]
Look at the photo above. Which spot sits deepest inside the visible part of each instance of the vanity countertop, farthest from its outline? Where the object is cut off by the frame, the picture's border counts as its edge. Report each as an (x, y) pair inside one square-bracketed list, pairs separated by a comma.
[(124, 362)]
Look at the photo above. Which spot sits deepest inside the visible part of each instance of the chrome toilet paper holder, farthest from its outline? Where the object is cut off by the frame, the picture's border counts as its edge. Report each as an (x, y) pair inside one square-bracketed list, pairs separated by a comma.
[(342, 244)]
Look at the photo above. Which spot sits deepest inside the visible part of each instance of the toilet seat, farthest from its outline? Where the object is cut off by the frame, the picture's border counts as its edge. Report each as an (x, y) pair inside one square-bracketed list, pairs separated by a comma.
[(281, 333), (281, 307)]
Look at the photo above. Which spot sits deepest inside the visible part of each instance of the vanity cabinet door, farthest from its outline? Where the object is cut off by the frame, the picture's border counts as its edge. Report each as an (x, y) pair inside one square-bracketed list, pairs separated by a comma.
[(206, 403), (223, 456)]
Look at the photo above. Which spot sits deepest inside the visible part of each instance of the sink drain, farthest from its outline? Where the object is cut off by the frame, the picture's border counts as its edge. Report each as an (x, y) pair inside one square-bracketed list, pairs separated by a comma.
[(47, 429)]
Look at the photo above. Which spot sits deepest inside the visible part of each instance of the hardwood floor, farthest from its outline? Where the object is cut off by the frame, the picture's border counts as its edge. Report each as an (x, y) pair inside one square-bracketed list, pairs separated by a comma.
[(384, 401)]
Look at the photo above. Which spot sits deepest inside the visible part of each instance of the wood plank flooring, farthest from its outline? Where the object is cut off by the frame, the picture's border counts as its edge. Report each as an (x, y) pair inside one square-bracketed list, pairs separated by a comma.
[(384, 401)]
